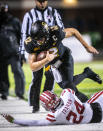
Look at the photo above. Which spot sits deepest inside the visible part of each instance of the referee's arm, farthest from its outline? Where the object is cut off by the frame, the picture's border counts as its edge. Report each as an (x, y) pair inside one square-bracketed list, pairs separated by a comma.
[(25, 31), (58, 19)]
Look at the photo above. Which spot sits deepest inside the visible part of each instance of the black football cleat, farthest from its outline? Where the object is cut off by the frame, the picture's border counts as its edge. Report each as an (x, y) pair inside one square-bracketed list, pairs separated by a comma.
[(20, 97), (92, 75), (35, 109), (3, 97)]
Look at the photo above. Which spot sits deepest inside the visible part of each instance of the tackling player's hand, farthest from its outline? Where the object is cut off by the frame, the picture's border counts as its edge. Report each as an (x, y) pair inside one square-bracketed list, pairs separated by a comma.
[(9, 118), (91, 49), (50, 57)]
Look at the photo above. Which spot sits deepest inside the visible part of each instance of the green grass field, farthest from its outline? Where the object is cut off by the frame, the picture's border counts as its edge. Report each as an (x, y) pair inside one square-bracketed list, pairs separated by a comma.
[(87, 86)]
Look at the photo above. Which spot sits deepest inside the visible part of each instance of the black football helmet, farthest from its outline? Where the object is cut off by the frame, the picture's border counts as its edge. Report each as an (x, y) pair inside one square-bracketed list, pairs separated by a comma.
[(40, 30)]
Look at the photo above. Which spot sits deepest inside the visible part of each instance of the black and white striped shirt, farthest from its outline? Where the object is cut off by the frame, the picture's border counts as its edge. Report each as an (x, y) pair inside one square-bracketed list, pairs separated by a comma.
[(49, 15)]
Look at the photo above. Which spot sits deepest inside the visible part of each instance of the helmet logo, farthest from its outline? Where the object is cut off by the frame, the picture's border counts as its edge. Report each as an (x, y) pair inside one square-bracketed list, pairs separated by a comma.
[(45, 25)]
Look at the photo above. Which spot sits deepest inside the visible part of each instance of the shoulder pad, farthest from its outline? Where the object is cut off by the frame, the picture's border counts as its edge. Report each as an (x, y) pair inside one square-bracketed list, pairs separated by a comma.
[(54, 28), (28, 40), (31, 45)]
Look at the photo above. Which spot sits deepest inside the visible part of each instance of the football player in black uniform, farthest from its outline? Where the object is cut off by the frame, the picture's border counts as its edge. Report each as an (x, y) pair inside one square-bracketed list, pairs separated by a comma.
[(44, 38)]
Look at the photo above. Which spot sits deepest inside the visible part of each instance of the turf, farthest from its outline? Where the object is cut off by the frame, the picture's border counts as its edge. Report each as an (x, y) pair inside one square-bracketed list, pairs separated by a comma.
[(87, 86)]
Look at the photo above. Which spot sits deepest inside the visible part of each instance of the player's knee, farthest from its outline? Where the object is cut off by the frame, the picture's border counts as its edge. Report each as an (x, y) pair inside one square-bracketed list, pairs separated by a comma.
[(70, 85)]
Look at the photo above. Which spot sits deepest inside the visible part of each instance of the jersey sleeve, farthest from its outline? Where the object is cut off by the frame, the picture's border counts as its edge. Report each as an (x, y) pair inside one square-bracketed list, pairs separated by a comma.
[(61, 34), (25, 31), (41, 122), (53, 118), (50, 117), (67, 94), (57, 33), (58, 19), (29, 45)]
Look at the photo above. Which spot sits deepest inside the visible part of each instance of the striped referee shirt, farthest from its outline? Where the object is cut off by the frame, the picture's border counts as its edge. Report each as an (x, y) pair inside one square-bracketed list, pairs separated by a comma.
[(49, 15)]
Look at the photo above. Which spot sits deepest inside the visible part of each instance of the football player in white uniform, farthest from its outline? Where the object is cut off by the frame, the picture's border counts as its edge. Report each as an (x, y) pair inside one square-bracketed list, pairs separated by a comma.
[(67, 109)]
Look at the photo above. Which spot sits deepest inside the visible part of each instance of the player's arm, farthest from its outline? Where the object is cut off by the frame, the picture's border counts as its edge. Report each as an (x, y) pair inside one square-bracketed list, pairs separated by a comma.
[(9, 118), (73, 32), (37, 65), (42, 122)]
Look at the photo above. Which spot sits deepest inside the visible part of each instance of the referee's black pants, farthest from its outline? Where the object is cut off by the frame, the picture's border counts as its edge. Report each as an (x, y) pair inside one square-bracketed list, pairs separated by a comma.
[(34, 89)]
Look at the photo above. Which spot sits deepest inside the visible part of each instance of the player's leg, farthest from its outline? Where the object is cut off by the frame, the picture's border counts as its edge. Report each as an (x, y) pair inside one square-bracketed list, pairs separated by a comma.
[(87, 73), (34, 90), (66, 70)]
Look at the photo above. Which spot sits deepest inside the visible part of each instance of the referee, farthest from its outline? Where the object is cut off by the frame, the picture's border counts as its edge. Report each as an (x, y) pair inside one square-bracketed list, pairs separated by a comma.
[(50, 15)]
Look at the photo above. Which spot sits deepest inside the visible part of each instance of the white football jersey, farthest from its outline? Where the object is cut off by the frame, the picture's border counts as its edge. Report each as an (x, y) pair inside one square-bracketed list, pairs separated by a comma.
[(72, 112)]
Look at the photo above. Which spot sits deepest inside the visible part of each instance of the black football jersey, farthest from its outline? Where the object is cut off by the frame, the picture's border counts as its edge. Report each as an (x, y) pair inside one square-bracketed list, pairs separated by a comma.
[(54, 44)]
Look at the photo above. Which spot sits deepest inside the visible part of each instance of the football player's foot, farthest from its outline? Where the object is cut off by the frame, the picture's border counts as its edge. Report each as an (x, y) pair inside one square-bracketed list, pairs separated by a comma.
[(3, 97), (35, 109), (20, 97), (92, 75)]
